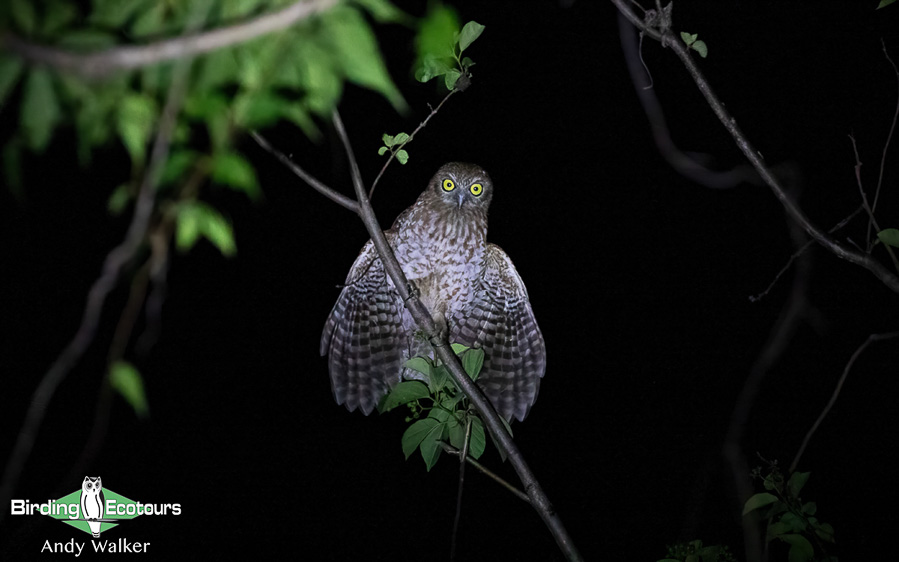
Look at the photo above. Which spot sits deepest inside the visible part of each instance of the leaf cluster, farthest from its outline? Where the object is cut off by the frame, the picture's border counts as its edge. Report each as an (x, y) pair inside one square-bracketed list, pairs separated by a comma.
[(694, 551), (698, 46), (789, 519), (430, 392), (441, 46), (295, 75)]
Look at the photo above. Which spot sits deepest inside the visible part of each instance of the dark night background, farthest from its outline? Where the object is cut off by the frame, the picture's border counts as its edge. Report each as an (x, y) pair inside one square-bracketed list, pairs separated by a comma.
[(639, 279)]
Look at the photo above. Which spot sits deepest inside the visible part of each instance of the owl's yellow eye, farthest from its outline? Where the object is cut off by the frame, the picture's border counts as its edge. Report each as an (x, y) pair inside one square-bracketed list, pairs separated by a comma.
[(448, 185), (476, 189)]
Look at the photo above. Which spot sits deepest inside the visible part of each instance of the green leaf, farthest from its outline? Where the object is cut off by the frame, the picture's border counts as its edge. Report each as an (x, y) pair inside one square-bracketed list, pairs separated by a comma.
[(115, 14), (119, 199), (470, 32), (419, 364), (809, 508), (438, 379), (889, 236), (700, 47), (384, 11), (800, 549), (217, 69), (450, 79), (320, 73), (456, 434), (688, 38), (382, 150), (10, 72), (233, 170), (253, 110), (57, 15), (758, 501), (436, 33), (150, 21), (403, 393), (796, 523), (358, 53), (402, 156), (884, 3), (135, 121), (824, 531), (415, 433), (197, 219), (388, 139), (431, 67), (238, 9), (400, 138), (796, 482), (23, 15), (177, 166), (430, 445), (472, 361), (126, 380), (478, 439), (40, 109), (458, 348), (777, 529)]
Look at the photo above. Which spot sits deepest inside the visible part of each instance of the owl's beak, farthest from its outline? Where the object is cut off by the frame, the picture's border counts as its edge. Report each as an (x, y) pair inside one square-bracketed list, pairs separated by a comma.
[(461, 196)]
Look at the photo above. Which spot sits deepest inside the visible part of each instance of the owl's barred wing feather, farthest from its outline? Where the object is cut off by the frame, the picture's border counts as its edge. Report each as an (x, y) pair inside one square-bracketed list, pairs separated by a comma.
[(501, 322), (364, 335)]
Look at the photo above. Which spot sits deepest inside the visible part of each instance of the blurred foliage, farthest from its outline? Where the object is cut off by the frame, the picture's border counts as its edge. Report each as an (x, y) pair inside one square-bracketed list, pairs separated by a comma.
[(295, 75)]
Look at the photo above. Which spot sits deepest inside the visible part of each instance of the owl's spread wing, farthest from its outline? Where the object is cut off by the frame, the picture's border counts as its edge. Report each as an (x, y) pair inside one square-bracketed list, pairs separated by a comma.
[(364, 335), (501, 322)]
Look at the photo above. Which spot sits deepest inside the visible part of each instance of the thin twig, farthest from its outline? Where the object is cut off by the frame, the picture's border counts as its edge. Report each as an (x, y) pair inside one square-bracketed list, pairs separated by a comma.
[(104, 63), (683, 163), (836, 392), (421, 126), (328, 192), (462, 457), (115, 261), (487, 472), (886, 145), (867, 207), (799, 252), (668, 39)]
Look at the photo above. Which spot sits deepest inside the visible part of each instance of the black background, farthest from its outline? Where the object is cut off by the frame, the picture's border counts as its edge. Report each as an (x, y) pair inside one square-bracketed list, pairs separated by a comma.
[(639, 279)]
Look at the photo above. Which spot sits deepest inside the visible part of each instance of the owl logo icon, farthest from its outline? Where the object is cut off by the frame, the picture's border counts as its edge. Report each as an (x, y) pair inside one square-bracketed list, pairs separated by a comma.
[(92, 503)]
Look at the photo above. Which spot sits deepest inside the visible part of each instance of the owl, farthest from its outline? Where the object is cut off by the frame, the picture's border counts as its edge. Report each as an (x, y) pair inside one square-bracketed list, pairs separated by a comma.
[(471, 288), (92, 503)]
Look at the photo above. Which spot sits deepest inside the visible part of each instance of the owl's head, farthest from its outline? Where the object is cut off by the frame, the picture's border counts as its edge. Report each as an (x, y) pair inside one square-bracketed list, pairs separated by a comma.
[(461, 185), (91, 485)]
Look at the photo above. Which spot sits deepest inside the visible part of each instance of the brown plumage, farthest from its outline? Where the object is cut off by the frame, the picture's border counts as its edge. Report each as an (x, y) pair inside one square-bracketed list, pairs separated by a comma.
[(470, 286)]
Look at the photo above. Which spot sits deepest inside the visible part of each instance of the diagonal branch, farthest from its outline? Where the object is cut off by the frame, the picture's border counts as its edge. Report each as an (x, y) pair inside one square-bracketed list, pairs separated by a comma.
[(103, 63), (442, 348), (836, 392), (667, 38), (328, 192)]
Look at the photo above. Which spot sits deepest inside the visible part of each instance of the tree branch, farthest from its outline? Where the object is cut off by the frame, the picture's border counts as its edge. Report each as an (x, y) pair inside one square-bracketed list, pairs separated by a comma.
[(836, 392), (104, 63), (444, 352), (667, 38), (328, 192)]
